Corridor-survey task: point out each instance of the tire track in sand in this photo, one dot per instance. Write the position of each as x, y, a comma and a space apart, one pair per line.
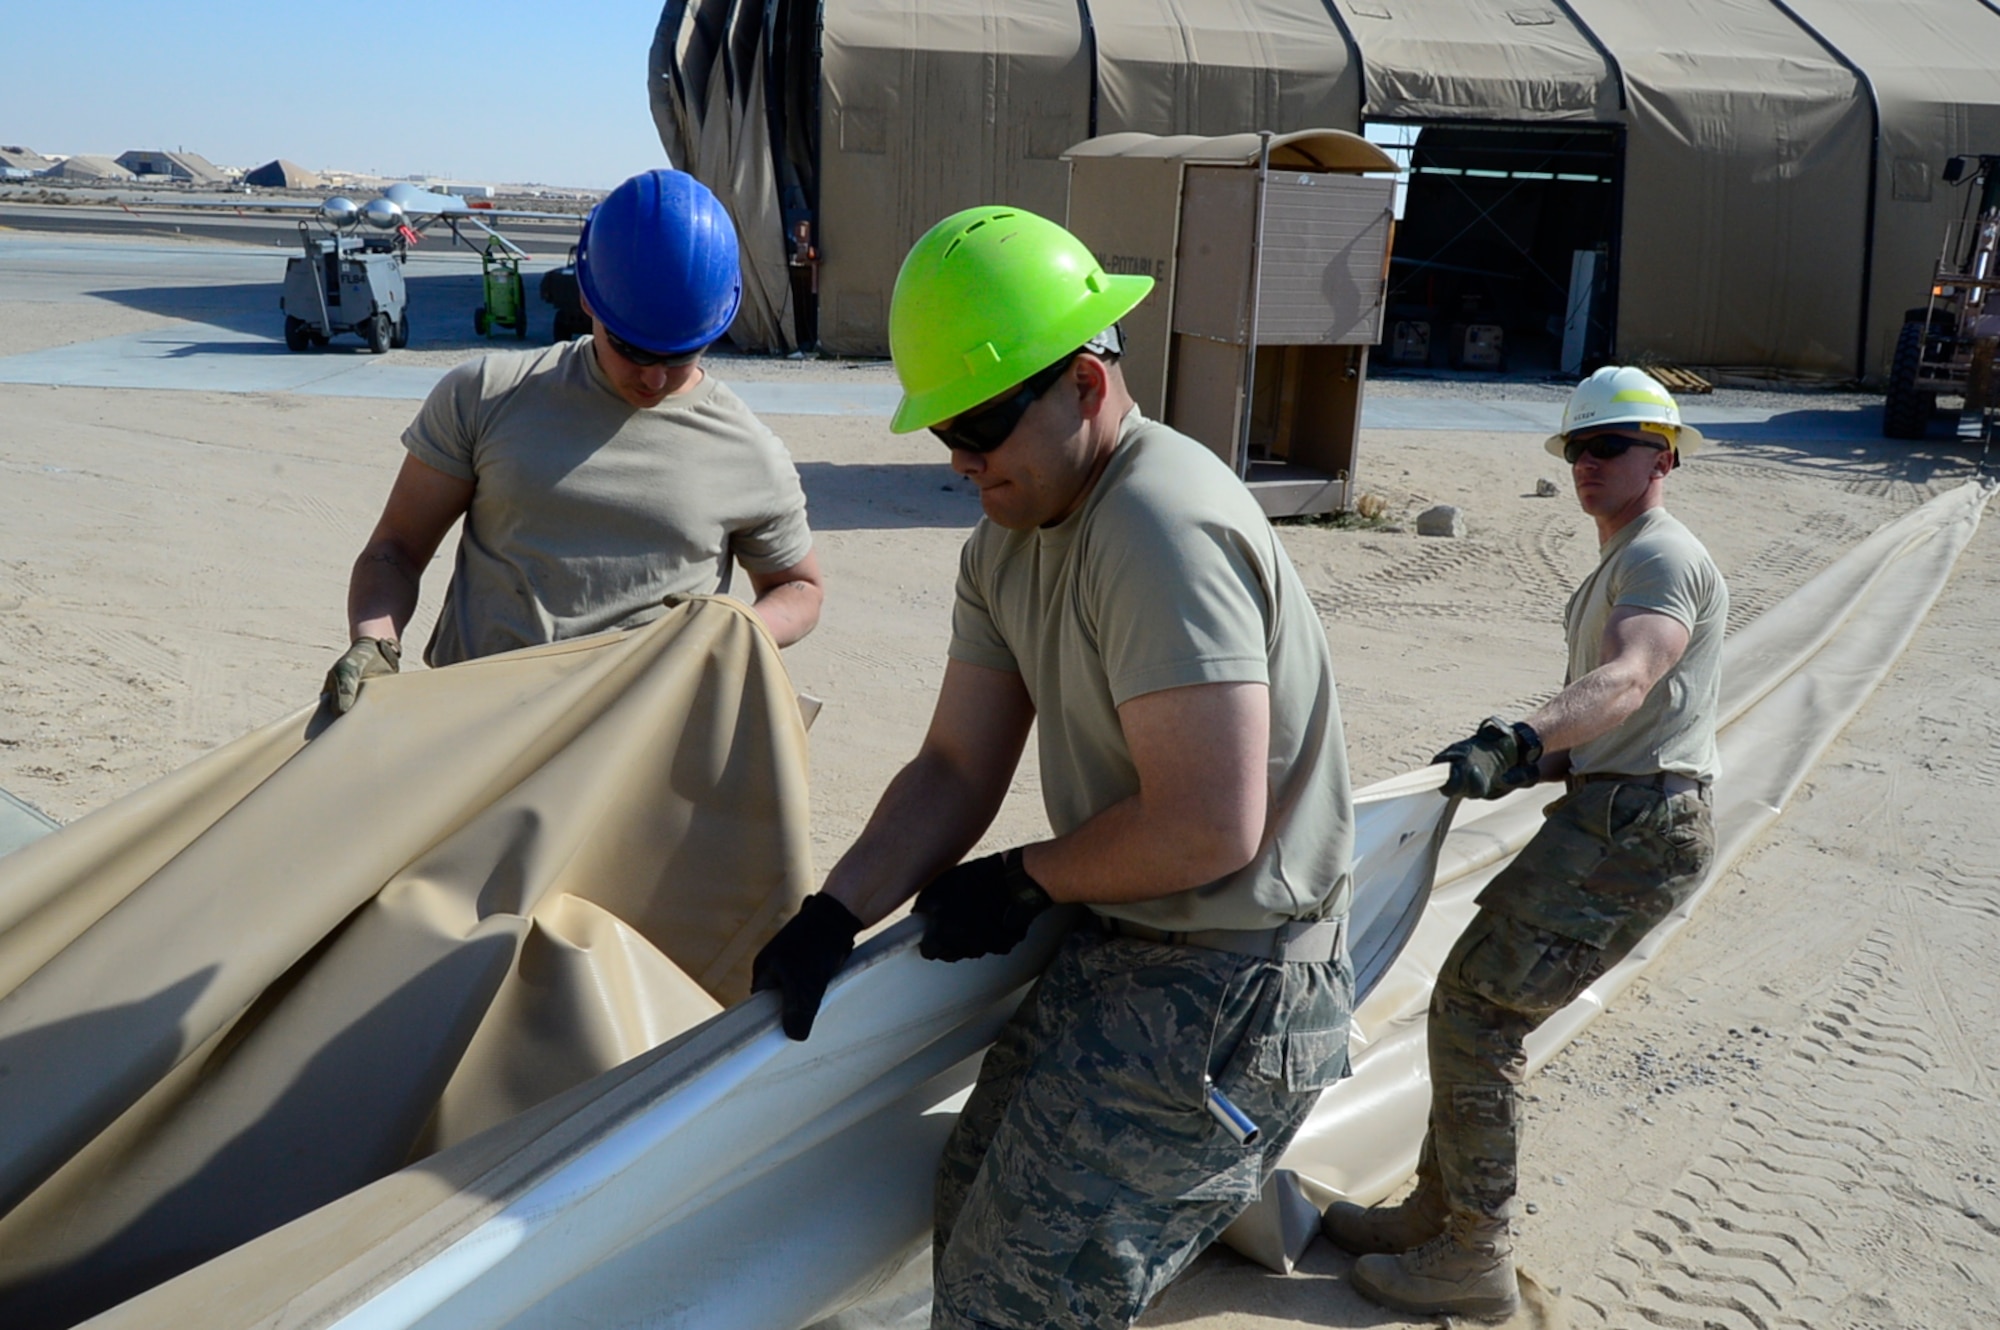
1821, 1191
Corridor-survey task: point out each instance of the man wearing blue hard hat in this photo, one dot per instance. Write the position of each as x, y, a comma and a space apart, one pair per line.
598, 477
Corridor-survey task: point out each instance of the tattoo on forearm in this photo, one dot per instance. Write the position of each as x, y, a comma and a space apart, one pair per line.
394, 562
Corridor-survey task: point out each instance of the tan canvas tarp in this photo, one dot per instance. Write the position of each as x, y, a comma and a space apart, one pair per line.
1934, 69
1471, 60
1746, 178
1188, 67
319, 953
927, 107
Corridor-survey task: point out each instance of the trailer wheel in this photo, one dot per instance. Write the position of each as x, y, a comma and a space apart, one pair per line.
380, 334
297, 336
1906, 412
400, 338
479, 320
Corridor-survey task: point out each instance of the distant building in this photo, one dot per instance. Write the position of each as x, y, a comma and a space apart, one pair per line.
187, 167
23, 159
281, 174
463, 190
88, 166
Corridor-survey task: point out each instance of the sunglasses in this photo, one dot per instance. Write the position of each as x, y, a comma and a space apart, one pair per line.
643, 358
983, 431
1604, 447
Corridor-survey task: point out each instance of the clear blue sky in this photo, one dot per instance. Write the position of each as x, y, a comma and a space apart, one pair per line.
497, 91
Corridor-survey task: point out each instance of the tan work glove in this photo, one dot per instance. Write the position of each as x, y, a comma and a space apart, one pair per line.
365, 659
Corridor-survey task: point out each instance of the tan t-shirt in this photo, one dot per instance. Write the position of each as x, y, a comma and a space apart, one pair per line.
1656, 564
1168, 575
588, 512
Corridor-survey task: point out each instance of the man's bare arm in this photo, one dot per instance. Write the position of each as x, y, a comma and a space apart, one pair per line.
1639, 647
939, 805
788, 599
1202, 807
382, 589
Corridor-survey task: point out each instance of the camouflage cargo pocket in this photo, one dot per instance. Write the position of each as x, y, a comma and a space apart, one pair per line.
1314, 1059
1305, 1049
1680, 836
1611, 860
1520, 967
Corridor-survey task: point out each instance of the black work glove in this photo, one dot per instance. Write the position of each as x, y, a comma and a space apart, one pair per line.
366, 658
804, 957
1498, 759
983, 907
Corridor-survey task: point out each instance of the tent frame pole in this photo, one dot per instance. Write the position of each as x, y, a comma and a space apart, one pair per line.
1256, 289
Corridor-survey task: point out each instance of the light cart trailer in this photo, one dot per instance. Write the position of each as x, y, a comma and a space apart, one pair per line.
346, 281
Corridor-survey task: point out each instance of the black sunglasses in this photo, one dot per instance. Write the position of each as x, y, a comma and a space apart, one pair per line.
983, 431
1604, 447
643, 358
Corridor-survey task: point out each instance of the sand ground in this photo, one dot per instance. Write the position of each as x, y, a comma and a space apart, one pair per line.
1793, 1121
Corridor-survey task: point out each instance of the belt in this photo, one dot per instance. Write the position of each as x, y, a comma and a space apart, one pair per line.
1301, 940
1666, 782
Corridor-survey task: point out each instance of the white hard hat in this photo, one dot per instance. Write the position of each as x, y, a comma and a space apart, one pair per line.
1625, 395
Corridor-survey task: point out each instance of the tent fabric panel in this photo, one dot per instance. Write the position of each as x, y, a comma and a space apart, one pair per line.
1222, 67
1931, 64
706, 75
1746, 171
931, 106
1467, 60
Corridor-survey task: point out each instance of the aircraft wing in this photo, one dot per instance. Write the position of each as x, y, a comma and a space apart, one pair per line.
472, 219
428, 203
418, 205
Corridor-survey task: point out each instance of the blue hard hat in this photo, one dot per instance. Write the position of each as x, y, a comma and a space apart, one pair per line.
657, 262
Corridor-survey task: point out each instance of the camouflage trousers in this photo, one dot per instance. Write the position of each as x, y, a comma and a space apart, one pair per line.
1612, 861
1085, 1171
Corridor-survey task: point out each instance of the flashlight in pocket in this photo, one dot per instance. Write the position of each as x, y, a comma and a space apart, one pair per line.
1232, 1118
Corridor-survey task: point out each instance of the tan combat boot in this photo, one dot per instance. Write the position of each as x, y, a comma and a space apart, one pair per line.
1411, 1222
1467, 1270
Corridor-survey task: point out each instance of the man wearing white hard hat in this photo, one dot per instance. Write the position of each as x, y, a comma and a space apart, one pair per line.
1632, 734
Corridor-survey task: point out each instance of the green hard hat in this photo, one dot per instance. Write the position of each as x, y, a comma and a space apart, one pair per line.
986, 298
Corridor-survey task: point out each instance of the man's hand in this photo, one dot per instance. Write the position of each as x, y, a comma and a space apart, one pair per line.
366, 658
982, 907
1498, 759
803, 958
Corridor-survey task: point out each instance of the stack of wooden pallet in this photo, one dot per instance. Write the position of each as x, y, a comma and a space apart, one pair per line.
1680, 380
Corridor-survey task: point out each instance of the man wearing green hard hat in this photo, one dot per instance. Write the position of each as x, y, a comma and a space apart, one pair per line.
1127, 600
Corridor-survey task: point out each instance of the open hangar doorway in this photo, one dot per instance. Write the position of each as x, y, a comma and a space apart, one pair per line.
1506, 250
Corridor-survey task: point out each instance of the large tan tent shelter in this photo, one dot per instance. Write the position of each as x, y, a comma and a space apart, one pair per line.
1758, 178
